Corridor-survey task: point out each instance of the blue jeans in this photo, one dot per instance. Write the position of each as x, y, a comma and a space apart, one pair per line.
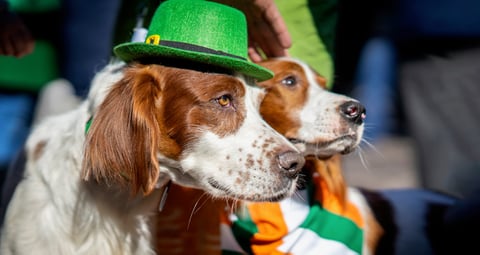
16, 111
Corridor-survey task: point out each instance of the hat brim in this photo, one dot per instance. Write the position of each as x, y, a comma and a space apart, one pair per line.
138, 50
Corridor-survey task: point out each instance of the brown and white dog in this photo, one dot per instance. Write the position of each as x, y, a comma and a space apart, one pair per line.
94, 176
322, 124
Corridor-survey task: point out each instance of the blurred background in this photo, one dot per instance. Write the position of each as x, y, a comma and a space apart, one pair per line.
415, 65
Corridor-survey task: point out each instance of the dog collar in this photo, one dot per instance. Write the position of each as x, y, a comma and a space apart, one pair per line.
163, 198
88, 124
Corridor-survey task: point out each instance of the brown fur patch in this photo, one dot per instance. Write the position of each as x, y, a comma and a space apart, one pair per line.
283, 98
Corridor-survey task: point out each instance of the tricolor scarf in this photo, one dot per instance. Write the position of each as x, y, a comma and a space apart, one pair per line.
313, 221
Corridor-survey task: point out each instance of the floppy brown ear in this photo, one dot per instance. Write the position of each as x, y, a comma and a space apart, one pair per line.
126, 132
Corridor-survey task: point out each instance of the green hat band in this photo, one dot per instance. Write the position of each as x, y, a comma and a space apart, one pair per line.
193, 47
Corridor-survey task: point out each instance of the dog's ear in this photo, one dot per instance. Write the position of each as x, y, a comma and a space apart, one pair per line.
127, 132
322, 81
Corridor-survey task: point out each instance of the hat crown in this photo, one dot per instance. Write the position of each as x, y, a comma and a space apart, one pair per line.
200, 23
199, 31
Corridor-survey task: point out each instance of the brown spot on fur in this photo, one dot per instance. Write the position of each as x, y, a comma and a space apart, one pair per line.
238, 181
38, 150
245, 176
250, 161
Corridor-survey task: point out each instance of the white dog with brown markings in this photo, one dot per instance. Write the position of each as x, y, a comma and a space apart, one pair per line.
95, 175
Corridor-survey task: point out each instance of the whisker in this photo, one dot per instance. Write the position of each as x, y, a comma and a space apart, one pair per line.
195, 209
363, 159
297, 195
371, 146
238, 208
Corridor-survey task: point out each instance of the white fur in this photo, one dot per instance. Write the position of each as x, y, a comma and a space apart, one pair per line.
356, 198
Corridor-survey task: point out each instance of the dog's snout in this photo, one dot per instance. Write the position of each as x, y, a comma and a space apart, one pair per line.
291, 163
353, 111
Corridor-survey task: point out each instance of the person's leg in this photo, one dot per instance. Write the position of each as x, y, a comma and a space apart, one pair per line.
16, 111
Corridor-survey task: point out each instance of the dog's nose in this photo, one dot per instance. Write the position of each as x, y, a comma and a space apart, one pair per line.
353, 111
291, 163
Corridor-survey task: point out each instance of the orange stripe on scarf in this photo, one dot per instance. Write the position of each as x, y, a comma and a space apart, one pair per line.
271, 227
335, 204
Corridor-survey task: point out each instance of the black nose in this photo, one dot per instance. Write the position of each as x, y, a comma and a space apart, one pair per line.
291, 163
353, 111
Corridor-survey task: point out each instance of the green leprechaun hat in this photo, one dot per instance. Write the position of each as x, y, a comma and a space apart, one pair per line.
200, 31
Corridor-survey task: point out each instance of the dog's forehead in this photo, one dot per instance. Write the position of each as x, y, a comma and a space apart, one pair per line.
312, 76
220, 83
205, 86
288, 67
282, 64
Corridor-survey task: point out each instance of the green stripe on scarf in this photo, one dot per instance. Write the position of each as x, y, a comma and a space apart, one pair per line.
334, 227
243, 230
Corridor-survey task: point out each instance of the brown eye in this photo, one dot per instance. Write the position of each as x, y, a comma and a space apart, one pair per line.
289, 81
225, 100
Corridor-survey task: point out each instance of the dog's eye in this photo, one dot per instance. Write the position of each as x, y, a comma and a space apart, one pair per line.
225, 100
289, 81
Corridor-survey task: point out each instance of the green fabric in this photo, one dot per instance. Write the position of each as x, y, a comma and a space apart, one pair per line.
244, 229
331, 226
217, 28
31, 72
88, 124
311, 24
31, 6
